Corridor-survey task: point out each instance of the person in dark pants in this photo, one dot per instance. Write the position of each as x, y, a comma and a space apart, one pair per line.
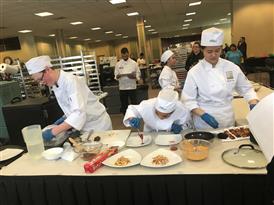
142, 66
242, 47
194, 56
127, 73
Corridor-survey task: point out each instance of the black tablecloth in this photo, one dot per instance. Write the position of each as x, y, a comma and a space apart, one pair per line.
143, 190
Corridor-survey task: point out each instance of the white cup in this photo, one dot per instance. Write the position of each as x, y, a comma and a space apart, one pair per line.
33, 138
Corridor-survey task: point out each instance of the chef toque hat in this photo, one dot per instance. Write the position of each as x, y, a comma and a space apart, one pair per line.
166, 55
212, 37
166, 101
38, 64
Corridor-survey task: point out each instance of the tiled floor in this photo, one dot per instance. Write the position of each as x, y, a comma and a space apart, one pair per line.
117, 119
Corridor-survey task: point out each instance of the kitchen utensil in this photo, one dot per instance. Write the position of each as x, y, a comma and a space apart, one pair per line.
195, 149
246, 156
140, 135
199, 135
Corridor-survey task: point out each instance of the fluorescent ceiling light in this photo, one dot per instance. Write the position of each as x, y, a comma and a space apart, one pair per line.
176, 36
76, 23
96, 28
185, 28
25, 31
148, 26
195, 3
125, 36
98, 41
151, 30
118, 34
155, 32
108, 32
193, 33
224, 19
187, 24
73, 37
187, 20
117, 1
52, 35
217, 23
133, 14
228, 14
43, 14
87, 39
190, 14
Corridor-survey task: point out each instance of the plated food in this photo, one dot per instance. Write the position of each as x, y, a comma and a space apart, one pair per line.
160, 160
168, 139
135, 141
236, 133
122, 161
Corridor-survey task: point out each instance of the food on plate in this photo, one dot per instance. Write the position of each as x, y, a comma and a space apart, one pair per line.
97, 139
122, 161
173, 148
238, 132
160, 160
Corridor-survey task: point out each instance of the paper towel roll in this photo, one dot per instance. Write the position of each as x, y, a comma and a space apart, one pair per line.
8, 69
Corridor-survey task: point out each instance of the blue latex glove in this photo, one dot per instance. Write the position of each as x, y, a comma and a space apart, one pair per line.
135, 122
210, 120
47, 135
251, 106
60, 120
175, 128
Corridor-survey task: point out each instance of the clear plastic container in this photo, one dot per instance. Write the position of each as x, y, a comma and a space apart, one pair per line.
195, 149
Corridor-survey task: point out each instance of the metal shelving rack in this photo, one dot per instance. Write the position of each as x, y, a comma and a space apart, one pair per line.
83, 66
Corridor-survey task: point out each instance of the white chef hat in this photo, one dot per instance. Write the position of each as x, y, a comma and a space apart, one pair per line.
166, 55
212, 37
38, 64
166, 101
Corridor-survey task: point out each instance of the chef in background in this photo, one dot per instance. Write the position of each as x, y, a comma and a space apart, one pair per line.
209, 86
81, 107
165, 112
168, 77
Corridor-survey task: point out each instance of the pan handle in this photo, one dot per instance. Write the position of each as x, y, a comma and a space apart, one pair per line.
246, 145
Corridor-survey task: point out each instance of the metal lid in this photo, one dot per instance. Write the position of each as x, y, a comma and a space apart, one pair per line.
245, 157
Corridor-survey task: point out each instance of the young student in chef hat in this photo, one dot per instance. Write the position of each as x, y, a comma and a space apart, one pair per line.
168, 77
209, 86
82, 110
165, 112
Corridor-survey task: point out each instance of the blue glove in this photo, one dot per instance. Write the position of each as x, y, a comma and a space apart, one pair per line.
47, 135
175, 128
210, 120
251, 106
60, 120
135, 122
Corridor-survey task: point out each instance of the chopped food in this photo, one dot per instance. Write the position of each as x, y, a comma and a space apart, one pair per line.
122, 161
238, 132
160, 160
195, 152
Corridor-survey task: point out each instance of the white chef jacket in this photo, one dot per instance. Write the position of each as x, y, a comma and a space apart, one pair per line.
81, 107
146, 111
141, 63
127, 67
168, 78
211, 89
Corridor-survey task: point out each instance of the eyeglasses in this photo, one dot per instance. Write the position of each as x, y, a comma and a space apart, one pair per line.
41, 78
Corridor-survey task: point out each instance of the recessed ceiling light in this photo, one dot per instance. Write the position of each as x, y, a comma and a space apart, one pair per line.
118, 34
187, 20
52, 35
133, 14
151, 30
224, 19
73, 37
108, 32
96, 28
190, 14
155, 32
25, 31
195, 3
187, 24
76, 23
228, 14
145, 21
97, 41
117, 1
87, 39
43, 14
148, 26
125, 36
185, 28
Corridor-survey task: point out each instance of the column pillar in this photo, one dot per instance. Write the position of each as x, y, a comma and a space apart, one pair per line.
60, 43
141, 37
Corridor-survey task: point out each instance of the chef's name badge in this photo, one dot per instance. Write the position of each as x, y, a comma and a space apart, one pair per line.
229, 76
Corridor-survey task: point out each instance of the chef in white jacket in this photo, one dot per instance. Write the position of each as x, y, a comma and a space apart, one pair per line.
209, 86
168, 77
164, 113
82, 110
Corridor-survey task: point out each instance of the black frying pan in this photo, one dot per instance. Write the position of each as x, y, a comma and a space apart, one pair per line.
199, 135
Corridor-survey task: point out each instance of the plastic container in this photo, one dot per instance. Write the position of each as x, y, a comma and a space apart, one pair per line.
33, 138
195, 149
88, 150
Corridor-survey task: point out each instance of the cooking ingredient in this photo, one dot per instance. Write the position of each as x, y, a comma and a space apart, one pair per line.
122, 161
173, 148
195, 152
160, 160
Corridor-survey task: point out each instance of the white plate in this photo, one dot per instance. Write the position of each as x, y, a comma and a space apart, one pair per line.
9, 153
168, 139
134, 157
229, 139
172, 157
53, 153
135, 141
120, 144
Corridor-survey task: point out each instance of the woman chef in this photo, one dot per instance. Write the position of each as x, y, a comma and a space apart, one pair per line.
162, 113
82, 109
168, 77
210, 83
